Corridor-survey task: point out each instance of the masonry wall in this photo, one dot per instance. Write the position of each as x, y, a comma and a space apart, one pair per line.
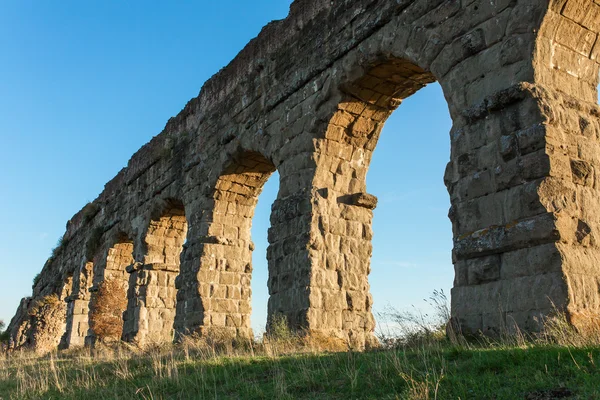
308, 98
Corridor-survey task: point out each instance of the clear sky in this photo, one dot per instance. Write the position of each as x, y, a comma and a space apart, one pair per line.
84, 84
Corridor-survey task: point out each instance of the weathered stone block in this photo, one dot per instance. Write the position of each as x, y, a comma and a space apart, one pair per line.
483, 270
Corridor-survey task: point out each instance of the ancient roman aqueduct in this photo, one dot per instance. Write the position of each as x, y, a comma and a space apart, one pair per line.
308, 97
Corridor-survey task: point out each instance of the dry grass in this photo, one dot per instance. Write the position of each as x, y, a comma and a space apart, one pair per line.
109, 303
286, 365
41, 307
575, 330
201, 368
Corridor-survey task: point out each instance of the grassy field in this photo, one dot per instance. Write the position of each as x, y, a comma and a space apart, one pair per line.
431, 370
418, 362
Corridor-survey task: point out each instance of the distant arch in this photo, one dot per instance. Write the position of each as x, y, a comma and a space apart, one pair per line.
109, 291
152, 290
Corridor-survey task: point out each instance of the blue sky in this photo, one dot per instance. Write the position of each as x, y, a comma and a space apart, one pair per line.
86, 83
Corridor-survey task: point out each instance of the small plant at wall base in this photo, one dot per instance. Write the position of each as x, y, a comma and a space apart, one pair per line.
108, 305
413, 327
278, 328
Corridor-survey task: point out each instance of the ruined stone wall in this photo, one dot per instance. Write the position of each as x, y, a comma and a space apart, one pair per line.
308, 98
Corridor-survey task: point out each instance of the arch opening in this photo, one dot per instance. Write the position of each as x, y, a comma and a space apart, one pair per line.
367, 104
412, 240
152, 291
260, 271
343, 299
109, 293
227, 269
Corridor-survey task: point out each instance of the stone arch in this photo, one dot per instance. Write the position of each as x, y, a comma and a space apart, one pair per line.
118, 257
352, 132
340, 296
165, 233
486, 77
226, 262
111, 264
152, 294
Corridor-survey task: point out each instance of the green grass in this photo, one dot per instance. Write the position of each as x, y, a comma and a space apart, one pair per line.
434, 371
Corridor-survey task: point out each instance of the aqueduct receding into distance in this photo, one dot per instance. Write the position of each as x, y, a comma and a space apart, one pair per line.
308, 98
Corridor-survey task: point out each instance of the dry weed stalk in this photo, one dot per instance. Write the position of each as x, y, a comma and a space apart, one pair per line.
106, 317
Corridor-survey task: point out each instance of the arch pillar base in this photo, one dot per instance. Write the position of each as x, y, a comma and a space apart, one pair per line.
151, 307
77, 322
319, 261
